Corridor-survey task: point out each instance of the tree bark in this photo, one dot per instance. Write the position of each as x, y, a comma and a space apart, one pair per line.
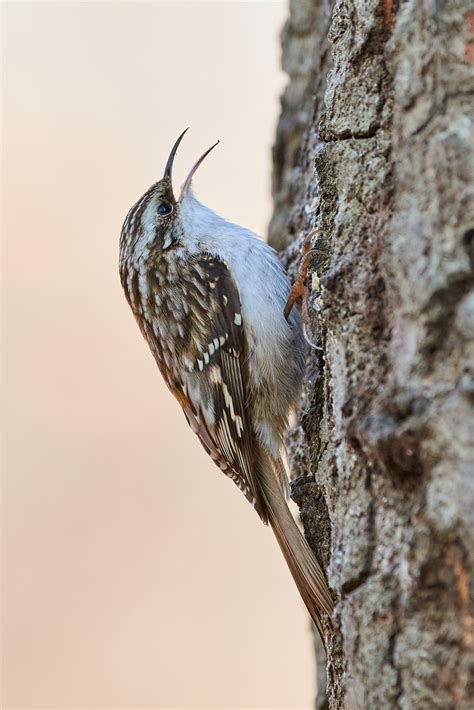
374, 151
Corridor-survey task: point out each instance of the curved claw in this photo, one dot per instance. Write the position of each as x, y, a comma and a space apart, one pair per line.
299, 287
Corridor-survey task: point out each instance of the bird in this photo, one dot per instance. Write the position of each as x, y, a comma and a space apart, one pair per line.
209, 298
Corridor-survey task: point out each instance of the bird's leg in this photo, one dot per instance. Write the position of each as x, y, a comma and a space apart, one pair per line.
299, 289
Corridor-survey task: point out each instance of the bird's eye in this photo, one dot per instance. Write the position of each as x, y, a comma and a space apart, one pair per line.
164, 208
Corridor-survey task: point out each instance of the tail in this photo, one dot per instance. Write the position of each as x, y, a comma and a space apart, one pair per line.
306, 572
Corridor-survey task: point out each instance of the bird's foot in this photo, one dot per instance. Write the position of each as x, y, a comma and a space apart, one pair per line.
299, 289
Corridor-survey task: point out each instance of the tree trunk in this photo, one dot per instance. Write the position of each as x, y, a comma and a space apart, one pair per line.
374, 151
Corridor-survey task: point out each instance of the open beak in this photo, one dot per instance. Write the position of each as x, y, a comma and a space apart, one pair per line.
169, 163
198, 162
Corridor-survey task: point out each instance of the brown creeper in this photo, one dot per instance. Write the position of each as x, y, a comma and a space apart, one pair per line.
208, 297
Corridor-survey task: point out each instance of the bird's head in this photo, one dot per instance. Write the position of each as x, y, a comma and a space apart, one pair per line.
154, 220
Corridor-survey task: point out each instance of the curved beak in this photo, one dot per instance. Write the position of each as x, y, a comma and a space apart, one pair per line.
169, 163
198, 162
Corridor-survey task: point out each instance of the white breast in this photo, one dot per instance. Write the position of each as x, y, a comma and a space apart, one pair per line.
260, 278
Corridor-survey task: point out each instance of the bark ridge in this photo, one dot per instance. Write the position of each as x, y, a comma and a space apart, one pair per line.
374, 149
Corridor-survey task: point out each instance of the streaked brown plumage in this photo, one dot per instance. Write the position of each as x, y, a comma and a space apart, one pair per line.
208, 297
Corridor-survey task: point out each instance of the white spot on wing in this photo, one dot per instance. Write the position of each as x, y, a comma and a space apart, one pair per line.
239, 424
215, 374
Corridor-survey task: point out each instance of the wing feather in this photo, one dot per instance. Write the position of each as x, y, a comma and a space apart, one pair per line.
218, 398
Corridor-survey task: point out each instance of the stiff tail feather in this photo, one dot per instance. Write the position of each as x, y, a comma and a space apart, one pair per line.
306, 572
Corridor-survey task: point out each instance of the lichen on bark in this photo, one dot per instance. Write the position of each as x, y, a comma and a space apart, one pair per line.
374, 150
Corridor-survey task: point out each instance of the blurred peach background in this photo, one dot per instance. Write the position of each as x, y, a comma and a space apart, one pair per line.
134, 573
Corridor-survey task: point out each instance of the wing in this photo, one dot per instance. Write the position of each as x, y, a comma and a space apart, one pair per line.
214, 382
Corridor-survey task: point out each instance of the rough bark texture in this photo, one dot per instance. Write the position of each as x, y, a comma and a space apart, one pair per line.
374, 149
